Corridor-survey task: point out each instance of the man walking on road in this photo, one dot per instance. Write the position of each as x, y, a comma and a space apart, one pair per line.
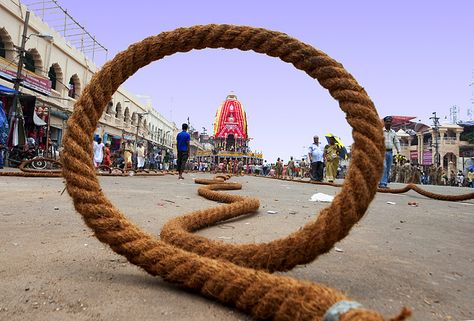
183, 140
98, 148
315, 154
391, 141
140, 156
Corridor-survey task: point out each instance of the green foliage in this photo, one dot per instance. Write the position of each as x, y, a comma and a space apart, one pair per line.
469, 137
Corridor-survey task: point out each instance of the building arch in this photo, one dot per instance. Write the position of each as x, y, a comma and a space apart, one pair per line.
126, 114
74, 86
55, 74
449, 157
118, 110
134, 118
144, 124
110, 108
33, 62
7, 48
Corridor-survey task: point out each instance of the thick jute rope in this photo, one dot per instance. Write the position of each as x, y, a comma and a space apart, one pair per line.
263, 295
278, 255
406, 188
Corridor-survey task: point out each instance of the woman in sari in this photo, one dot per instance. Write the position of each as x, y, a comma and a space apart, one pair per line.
127, 155
107, 161
331, 156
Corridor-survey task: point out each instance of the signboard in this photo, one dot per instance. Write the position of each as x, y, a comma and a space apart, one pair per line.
128, 137
413, 154
427, 158
29, 79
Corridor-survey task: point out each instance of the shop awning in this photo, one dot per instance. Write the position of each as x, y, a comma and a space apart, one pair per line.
7, 90
60, 114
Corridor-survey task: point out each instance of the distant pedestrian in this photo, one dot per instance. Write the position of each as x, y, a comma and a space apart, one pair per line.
315, 155
331, 156
140, 156
240, 167
302, 168
460, 178
291, 168
391, 141
3, 132
183, 139
278, 168
127, 155
470, 178
107, 160
98, 148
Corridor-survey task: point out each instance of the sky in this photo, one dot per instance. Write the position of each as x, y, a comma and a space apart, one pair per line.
412, 57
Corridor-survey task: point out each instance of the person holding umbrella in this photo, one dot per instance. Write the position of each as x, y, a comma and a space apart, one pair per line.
470, 176
331, 156
391, 141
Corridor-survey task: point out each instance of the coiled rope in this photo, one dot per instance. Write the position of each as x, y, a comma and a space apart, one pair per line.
263, 295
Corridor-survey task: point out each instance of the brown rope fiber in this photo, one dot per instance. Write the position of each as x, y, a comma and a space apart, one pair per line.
406, 188
263, 295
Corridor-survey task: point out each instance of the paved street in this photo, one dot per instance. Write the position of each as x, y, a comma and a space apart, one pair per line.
52, 268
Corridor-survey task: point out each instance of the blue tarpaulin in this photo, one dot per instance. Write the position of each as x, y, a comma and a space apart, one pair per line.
7, 90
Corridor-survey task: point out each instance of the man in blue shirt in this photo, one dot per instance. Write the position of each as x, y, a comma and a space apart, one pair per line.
183, 140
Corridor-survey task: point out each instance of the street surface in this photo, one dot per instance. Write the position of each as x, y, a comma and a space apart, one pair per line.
53, 268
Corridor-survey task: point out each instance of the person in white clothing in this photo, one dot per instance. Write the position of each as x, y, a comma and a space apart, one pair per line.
98, 149
315, 156
140, 156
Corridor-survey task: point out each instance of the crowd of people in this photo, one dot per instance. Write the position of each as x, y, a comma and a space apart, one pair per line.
130, 157
321, 164
401, 171
404, 172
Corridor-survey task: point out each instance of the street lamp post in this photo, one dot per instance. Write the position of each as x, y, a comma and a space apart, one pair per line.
436, 129
167, 139
16, 112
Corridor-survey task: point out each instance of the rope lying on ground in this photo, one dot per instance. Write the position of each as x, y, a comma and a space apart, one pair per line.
408, 187
300, 247
56, 170
263, 295
419, 190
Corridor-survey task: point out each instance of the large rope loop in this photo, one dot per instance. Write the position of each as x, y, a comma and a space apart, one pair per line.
263, 295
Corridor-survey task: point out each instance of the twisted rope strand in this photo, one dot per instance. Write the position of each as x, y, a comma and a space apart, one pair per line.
261, 294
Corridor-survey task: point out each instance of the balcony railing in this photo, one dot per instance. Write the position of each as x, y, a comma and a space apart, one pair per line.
450, 140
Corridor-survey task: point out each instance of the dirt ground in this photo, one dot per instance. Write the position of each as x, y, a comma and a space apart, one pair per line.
52, 267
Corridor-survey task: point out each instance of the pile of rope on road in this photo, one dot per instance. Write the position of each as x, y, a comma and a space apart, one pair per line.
406, 188
255, 291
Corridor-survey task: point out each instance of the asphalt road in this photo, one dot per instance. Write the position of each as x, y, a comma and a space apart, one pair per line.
53, 268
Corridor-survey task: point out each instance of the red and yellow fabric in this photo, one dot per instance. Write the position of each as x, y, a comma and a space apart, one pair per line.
230, 119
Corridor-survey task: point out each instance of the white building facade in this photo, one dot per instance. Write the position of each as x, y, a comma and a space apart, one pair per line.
54, 75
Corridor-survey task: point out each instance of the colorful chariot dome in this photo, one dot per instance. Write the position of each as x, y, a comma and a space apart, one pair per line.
231, 119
